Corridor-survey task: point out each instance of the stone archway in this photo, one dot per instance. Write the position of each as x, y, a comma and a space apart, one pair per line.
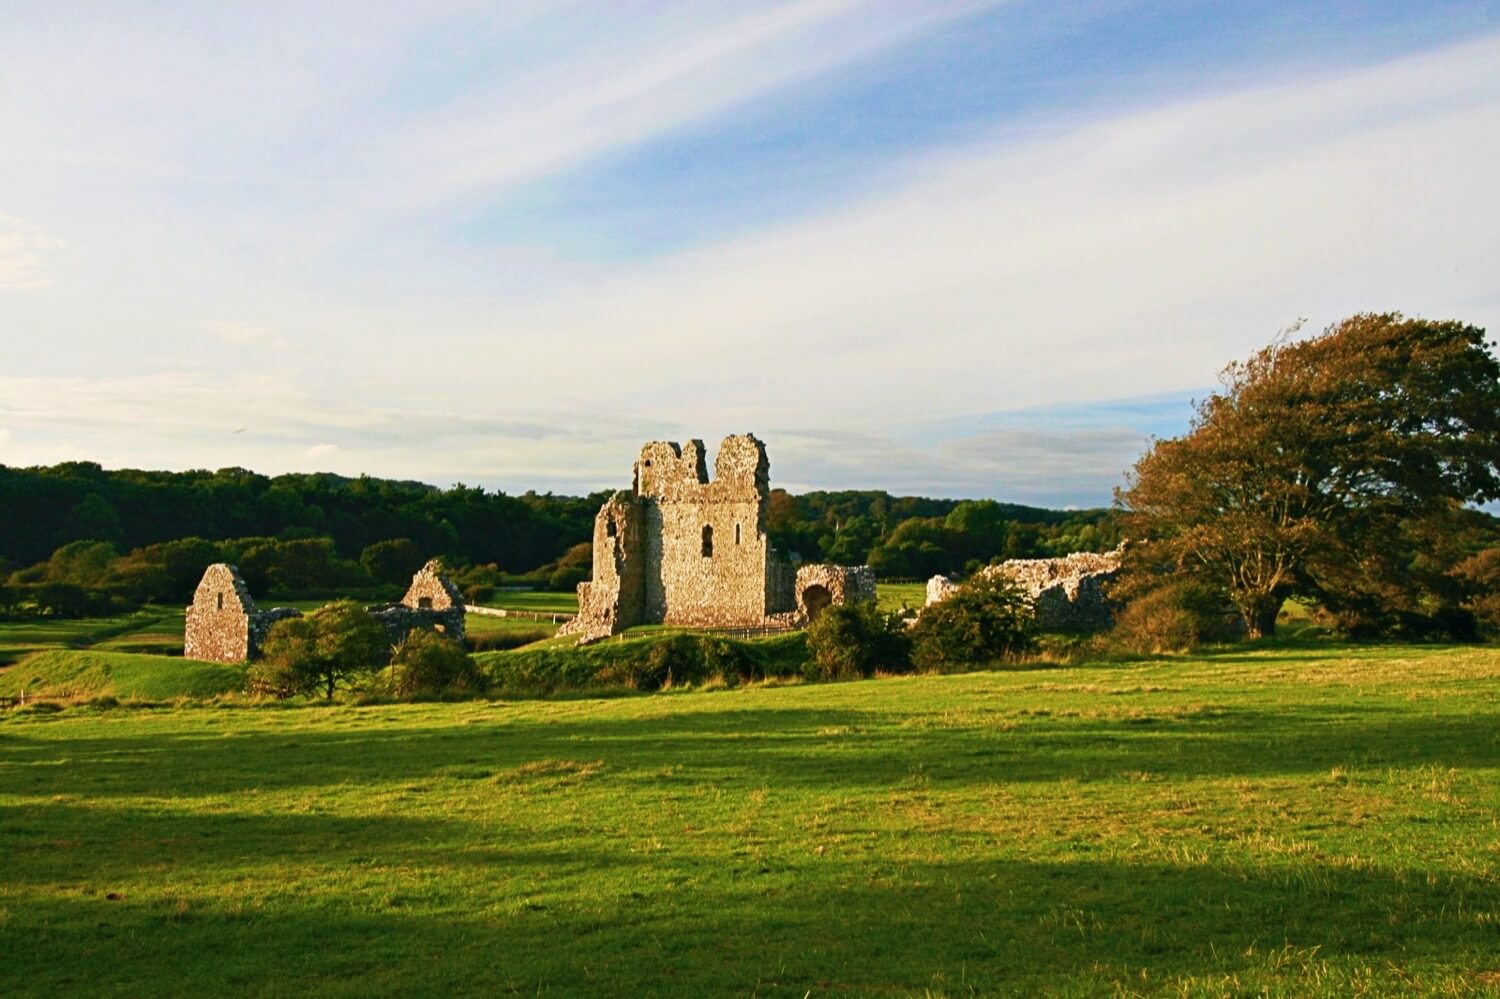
814, 599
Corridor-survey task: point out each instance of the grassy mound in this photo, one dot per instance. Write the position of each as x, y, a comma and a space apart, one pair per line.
644, 662
72, 673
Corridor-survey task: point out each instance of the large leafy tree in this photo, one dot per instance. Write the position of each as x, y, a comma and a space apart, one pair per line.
1323, 463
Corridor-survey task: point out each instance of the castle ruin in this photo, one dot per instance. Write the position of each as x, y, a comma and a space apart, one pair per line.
681, 548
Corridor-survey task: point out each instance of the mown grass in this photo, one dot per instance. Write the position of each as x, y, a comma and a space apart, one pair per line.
1276, 821
160, 627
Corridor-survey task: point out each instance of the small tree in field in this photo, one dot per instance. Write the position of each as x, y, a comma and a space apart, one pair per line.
1320, 465
986, 619
317, 653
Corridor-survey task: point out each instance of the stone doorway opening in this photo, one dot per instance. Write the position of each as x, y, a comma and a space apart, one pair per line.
815, 598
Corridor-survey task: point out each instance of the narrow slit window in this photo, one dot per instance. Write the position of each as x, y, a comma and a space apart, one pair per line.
736, 533
708, 541
221, 601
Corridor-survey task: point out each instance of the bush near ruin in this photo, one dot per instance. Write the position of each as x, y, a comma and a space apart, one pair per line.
320, 652
426, 663
985, 621
1178, 616
856, 640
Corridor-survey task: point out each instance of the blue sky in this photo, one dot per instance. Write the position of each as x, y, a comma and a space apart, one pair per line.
958, 248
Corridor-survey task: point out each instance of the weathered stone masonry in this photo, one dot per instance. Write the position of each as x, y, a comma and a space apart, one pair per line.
1068, 594
223, 624
681, 548
432, 602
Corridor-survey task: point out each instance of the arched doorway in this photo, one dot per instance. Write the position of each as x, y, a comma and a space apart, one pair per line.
814, 599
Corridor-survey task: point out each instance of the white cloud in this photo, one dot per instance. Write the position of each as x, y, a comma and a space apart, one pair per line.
637, 85
1126, 257
247, 335
23, 255
1115, 257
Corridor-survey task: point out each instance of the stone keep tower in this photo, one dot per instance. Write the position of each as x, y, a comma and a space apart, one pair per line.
681, 548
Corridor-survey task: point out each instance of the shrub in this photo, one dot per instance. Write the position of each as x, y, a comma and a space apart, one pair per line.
854, 640
986, 619
333, 644
565, 579
427, 663
1175, 617
678, 659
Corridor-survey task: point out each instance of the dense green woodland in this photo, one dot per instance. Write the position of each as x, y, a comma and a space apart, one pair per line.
79, 537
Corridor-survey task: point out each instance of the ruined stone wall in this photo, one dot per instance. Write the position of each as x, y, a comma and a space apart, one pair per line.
820, 586
613, 600
218, 619
223, 624
707, 554
1068, 594
400, 620
432, 590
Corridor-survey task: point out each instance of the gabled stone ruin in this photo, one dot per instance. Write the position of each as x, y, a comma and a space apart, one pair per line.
223, 624
1068, 594
431, 602
682, 548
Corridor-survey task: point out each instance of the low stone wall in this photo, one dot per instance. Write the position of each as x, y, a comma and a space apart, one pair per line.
1068, 594
400, 620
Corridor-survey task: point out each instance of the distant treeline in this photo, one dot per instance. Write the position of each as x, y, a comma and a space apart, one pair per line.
75, 538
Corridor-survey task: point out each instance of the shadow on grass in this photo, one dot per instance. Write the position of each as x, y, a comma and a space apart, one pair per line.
827, 924
829, 748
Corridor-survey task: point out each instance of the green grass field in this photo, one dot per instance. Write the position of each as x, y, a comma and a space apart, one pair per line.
895, 596
1317, 821
541, 601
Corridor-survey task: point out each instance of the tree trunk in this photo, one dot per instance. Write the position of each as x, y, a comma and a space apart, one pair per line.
1260, 611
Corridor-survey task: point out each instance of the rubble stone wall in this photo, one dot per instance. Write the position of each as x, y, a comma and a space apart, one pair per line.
1068, 594
820, 586
432, 590
400, 620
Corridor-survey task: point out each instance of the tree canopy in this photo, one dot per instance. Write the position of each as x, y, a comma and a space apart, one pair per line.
1329, 466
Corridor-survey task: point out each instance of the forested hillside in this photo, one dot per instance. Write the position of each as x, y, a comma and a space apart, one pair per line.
78, 536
